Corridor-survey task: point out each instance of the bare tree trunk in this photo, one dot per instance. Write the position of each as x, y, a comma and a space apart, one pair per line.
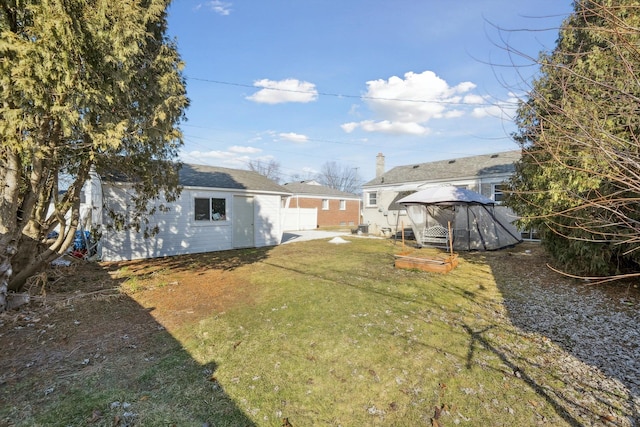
9, 188
34, 259
5, 274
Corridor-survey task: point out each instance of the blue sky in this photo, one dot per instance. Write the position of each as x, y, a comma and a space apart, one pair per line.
306, 82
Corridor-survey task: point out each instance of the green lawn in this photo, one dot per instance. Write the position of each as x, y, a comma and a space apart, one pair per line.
337, 336
333, 335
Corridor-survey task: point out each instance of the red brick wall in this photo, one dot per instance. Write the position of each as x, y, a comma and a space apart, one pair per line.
332, 216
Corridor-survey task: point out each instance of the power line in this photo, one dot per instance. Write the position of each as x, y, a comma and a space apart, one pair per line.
367, 145
339, 95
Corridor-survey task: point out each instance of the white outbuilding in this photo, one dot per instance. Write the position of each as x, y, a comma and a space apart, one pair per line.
218, 209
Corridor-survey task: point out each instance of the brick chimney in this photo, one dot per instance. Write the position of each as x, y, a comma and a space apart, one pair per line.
379, 165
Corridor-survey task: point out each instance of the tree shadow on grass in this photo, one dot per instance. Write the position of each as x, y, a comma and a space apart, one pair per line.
587, 333
86, 354
460, 282
477, 337
195, 263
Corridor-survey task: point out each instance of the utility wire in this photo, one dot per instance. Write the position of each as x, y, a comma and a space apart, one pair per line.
338, 95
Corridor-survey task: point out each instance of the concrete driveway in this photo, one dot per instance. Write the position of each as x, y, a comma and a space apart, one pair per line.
301, 236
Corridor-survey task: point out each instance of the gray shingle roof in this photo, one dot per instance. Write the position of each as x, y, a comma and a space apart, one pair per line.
303, 188
474, 166
218, 177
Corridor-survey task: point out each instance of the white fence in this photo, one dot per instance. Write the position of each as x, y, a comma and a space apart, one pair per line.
296, 219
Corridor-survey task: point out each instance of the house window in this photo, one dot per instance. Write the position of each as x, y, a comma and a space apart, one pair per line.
325, 204
372, 199
210, 209
497, 192
530, 234
343, 205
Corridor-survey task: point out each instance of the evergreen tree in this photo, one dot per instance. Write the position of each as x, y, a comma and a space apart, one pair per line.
84, 83
578, 181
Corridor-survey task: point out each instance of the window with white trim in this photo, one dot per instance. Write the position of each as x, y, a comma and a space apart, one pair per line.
498, 195
325, 204
210, 209
372, 199
343, 205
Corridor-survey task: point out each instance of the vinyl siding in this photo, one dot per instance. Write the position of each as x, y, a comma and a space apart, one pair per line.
268, 224
179, 232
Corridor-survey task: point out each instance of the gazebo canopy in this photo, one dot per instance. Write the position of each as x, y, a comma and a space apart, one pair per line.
445, 194
470, 220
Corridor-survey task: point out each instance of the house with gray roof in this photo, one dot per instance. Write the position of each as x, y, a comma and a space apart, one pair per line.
218, 209
313, 205
484, 174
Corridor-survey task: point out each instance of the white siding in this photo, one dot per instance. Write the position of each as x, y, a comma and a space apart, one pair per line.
379, 217
268, 224
179, 232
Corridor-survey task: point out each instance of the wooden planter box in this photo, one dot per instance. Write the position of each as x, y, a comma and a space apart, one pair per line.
434, 265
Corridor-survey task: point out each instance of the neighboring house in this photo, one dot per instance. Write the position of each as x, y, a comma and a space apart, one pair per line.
218, 209
333, 207
484, 174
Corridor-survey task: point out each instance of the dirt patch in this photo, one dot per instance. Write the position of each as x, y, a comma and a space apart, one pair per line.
89, 318
85, 310
88, 305
188, 296
184, 288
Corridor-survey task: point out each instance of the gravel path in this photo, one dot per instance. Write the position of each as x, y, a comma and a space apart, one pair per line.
588, 324
593, 338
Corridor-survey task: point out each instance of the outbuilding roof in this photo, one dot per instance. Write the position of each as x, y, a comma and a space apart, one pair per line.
312, 188
460, 168
191, 175
219, 177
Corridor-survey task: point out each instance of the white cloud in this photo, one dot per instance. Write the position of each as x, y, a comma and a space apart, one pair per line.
418, 98
504, 110
218, 6
405, 105
489, 111
245, 150
294, 137
453, 114
198, 157
288, 90
235, 156
465, 87
473, 99
386, 126
349, 127
260, 136
355, 110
